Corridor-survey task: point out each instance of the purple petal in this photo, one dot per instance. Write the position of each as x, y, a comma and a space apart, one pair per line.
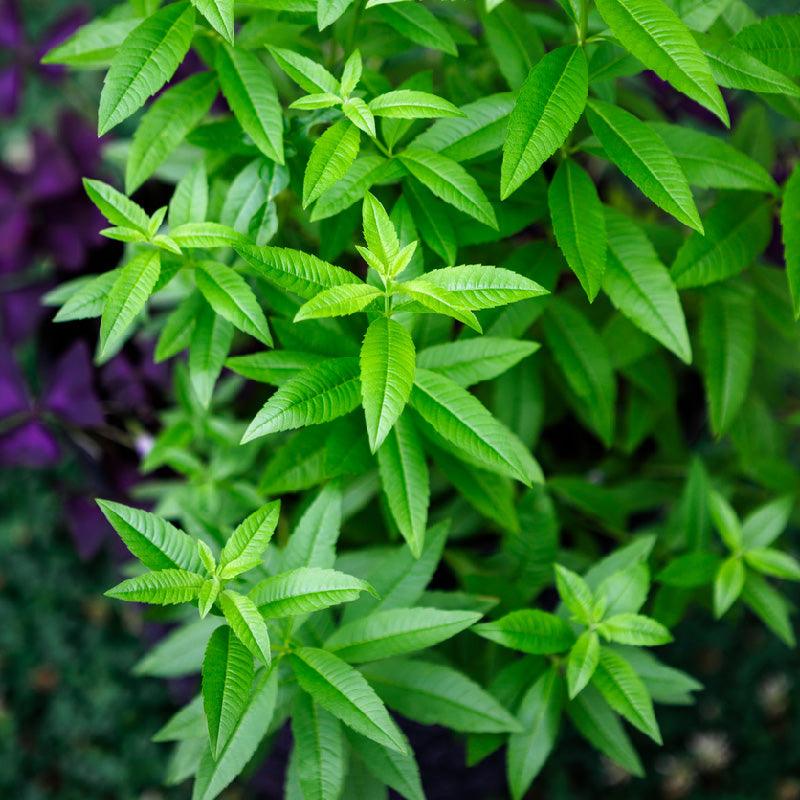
21, 311
53, 175
71, 395
80, 139
14, 228
11, 35
29, 445
10, 89
13, 393
87, 526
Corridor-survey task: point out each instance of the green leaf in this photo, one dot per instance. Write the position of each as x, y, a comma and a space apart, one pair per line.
772, 562
163, 588
304, 72
328, 11
412, 104
643, 157
575, 594
208, 595
351, 72
398, 771
436, 694
726, 521
247, 623
387, 376
156, 543
769, 605
766, 523
92, 46
460, 418
600, 726
305, 590
209, 346
470, 361
728, 584
579, 224
728, 337
634, 629
624, 691
513, 40
640, 286
774, 40
214, 774
206, 235
690, 571
582, 662
625, 592
438, 300
293, 270
405, 481
712, 163
227, 682
790, 228
231, 297
219, 14
735, 68
246, 545
416, 23
273, 366
529, 631
652, 32
339, 301
319, 394
177, 331
478, 287
449, 181
332, 155
342, 691
539, 714
548, 105
115, 207
248, 88
396, 631
319, 747
379, 231
314, 539
583, 359
737, 231
165, 124
144, 62
89, 298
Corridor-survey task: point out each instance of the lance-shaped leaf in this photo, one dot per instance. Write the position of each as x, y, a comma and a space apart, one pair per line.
477, 286
230, 296
435, 694
575, 594
387, 375
165, 124
737, 231
772, 562
412, 104
769, 605
319, 394
215, 773
248, 88
305, 590
775, 40
461, 419
165, 587
405, 481
219, 14
115, 207
584, 361
582, 662
470, 361
439, 300
398, 771
247, 623
206, 235
728, 337
274, 366
338, 301
293, 270
189, 201
539, 715
92, 46
319, 748
88, 299
624, 691
397, 631
790, 227
379, 231
449, 181
145, 61
634, 629
548, 105
765, 524
652, 32
416, 23
728, 584
208, 348
314, 539
640, 286
344, 692
304, 72
579, 224
227, 682
126, 300
247, 543
642, 155
154, 541
332, 155
529, 631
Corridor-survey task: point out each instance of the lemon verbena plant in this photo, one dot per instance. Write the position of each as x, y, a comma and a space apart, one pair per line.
482, 317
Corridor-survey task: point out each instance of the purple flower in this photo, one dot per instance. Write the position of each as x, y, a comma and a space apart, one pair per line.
26, 438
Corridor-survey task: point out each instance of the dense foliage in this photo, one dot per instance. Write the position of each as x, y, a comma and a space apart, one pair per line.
412, 197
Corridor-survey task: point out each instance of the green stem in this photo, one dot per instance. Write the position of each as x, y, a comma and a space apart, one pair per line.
583, 22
